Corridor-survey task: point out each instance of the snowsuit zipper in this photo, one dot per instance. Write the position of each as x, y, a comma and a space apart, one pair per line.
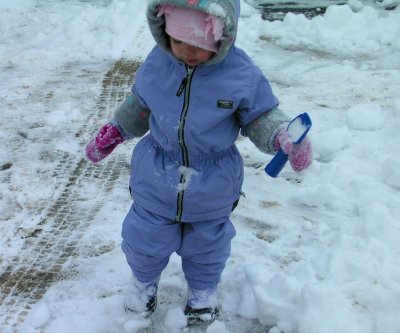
185, 86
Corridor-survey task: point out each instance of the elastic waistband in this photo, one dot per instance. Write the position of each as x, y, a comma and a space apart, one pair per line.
193, 158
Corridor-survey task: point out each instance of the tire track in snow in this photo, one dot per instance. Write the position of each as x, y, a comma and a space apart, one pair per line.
64, 220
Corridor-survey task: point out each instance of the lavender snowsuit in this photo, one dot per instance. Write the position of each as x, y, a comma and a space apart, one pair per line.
187, 171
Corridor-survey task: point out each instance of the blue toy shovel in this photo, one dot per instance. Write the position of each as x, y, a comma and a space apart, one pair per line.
297, 130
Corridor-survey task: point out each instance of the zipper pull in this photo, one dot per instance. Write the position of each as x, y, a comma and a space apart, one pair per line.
182, 86
185, 80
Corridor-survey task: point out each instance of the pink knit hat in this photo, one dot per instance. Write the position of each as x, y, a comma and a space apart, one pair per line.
192, 26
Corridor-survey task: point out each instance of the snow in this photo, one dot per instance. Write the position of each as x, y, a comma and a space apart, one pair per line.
187, 174
314, 252
175, 319
365, 117
297, 128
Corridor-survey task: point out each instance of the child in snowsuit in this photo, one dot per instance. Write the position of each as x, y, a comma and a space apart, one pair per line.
193, 94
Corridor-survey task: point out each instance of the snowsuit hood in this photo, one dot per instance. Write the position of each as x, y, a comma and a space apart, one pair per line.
227, 10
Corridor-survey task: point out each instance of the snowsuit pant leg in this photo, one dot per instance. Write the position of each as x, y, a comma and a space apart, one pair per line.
205, 248
148, 242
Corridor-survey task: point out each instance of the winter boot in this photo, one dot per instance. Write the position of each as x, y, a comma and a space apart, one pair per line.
141, 297
201, 306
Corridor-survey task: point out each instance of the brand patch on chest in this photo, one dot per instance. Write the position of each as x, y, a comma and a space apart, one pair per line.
225, 104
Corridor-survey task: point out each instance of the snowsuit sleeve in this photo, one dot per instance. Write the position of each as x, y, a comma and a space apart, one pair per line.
259, 117
132, 117
263, 130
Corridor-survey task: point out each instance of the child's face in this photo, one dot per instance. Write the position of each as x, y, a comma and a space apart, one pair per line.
190, 54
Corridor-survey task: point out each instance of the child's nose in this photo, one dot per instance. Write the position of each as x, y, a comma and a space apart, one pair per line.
190, 49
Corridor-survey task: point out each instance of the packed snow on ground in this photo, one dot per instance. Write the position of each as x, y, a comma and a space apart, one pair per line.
315, 252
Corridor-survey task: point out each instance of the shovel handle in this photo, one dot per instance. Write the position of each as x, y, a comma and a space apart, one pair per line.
275, 166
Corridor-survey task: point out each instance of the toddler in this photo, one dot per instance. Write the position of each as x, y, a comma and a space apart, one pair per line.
192, 96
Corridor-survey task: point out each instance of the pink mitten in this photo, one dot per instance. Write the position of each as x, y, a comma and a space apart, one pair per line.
104, 143
300, 155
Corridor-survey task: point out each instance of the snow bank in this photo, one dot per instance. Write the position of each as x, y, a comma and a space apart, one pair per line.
340, 31
68, 31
